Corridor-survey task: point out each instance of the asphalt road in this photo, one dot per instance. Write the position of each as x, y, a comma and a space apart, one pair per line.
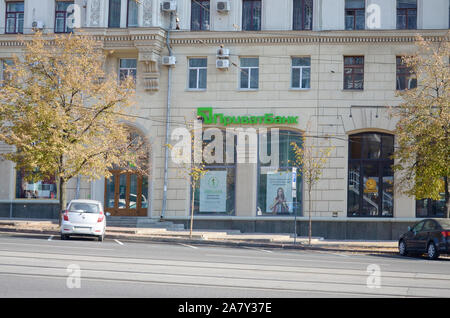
43, 266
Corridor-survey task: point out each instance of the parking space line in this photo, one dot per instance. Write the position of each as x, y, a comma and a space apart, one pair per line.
118, 242
194, 247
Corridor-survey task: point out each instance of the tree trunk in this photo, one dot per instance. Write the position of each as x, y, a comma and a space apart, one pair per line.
62, 198
192, 211
447, 196
310, 222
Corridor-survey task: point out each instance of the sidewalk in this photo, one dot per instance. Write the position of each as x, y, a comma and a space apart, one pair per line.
230, 238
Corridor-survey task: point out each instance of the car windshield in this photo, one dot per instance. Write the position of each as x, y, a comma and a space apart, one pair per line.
84, 207
444, 223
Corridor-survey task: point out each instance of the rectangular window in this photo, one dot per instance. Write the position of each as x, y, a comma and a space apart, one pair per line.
251, 15
303, 14
355, 16
127, 67
354, 72
301, 72
197, 73
114, 14
132, 15
44, 189
14, 17
4, 75
406, 14
61, 13
249, 73
406, 79
199, 15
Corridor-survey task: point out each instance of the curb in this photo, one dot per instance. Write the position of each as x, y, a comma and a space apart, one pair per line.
222, 242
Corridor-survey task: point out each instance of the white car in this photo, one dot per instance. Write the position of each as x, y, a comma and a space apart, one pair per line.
84, 218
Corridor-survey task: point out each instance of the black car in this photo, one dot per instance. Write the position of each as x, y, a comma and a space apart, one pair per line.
429, 236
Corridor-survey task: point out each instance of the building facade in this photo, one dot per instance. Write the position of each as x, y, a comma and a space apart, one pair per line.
329, 69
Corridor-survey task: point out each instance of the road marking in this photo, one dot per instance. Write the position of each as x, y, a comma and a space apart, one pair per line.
118, 242
194, 247
259, 249
50, 238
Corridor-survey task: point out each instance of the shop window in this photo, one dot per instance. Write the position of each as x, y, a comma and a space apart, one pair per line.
249, 73
275, 185
301, 72
215, 193
14, 17
303, 14
354, 72
114, 13
197, 73
199, 15
61, 15
370, 175
127, 67
406, 79
251, 15
132, 15
406, 14
40, 189
355, 15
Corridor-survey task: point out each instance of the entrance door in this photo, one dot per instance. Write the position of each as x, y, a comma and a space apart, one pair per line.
126, 194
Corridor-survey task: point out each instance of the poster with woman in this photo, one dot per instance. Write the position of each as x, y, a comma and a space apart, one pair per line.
279, 193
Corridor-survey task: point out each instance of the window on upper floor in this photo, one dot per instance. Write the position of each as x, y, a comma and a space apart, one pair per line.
406, 14
301, 73
251, 15
132, 15
197, 73
61, 14
355, 16
14, 17
354, 72
127, 67
406, 79
303, 14
249, 73
199, 15
114, 14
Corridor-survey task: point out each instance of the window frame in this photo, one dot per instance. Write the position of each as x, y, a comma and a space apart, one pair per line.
405, 11
197, 69
128, 69
65, 28
253, 2
404, 72
110, 16
354, 14
16, 13
128, 15
301, 68
302, 6
203, 11
249, 72
354, 67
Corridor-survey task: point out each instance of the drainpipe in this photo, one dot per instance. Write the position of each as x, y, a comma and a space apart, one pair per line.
77, 195
169, 93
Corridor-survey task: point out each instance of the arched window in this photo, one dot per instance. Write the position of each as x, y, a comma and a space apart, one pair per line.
370, 175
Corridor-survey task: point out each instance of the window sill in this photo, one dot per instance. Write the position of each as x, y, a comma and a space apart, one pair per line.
195, 90
248, 89
299, 89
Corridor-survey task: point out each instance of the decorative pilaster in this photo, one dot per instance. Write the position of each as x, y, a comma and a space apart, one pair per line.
150, 77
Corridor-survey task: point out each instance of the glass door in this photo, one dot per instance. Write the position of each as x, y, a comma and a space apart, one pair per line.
126, 194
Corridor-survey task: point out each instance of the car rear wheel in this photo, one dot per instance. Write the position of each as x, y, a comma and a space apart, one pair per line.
64, 237
432, 251
402, 248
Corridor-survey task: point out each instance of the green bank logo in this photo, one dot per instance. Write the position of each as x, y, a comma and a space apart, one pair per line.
210, 118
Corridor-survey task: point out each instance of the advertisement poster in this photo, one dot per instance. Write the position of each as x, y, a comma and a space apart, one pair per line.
279, 192
213, 192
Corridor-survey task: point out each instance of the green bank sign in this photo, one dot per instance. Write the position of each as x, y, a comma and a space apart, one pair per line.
269, 119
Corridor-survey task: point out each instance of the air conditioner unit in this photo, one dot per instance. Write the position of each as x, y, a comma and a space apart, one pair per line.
169, 60
169, 6
39, 25
223, 53
223, 6
222, 64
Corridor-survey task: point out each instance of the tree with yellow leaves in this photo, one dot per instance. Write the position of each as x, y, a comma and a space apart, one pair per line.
423, 130
63, 114
310, 160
